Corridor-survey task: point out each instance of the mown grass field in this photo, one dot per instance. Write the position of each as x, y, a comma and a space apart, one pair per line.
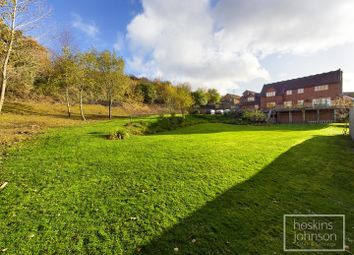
206, 189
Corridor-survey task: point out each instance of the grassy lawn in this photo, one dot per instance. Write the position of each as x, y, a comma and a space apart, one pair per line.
205, 189
23, 121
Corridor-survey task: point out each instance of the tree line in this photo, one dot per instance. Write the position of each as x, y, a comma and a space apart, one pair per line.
31, 71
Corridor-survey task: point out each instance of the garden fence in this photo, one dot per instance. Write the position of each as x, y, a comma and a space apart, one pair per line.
351, 122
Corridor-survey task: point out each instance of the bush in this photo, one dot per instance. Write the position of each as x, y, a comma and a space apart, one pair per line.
120, 134
136, 128
254, 116
166, 124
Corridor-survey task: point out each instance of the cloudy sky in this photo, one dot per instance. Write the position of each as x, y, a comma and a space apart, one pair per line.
232, 45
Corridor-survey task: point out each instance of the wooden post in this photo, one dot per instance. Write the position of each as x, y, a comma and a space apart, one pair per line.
290, 117
318, 115
303, 115
334, 115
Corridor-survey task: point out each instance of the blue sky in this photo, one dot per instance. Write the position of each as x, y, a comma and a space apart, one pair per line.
232, 45
109, 17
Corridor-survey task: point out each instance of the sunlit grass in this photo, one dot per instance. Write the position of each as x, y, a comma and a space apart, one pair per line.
73, 191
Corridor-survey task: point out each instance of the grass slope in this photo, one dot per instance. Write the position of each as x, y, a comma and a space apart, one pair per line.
205, 189
23, 121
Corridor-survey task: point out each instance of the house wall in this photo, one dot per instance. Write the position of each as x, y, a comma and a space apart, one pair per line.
310, 116
327, 115
297, 117
351, 122
249, 105
282, 117
334, 90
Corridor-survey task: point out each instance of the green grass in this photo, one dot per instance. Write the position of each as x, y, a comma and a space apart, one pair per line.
205, 189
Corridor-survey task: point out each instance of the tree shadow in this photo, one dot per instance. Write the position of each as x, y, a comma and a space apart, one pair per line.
313, 177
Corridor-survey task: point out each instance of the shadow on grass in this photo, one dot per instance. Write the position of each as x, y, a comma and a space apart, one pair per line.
313, 177
99, 134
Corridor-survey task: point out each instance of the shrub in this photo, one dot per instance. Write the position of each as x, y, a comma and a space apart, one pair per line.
136, 128
119, 134
254, 116
165, 124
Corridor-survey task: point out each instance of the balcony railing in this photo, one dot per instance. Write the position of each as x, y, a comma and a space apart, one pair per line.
302, 106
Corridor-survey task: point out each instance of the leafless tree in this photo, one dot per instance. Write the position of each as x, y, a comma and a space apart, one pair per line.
17, 15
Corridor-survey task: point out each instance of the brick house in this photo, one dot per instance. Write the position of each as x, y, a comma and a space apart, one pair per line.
230, 101
307, 99
250, 100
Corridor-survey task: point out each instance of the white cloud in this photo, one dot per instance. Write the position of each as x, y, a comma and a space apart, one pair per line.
87, 27
221, 45
348, 81
119, 44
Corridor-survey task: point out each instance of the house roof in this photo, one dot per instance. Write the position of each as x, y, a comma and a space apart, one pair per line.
249, 92
304, 82
231, 96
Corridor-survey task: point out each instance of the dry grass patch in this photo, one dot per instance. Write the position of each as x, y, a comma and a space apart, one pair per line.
22, 120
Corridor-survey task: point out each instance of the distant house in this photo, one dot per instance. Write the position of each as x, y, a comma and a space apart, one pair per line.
230, 101
307, 99
348, 96
250, 100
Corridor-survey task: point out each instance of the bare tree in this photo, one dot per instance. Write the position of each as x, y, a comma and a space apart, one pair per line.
17, 15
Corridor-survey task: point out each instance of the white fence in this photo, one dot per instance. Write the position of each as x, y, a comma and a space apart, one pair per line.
351, 122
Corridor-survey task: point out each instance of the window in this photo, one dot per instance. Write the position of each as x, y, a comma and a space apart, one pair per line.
271, 105
321, 88
250, 99
287, 103
289, 92
300, 91
322, 101
300, 102
270, 94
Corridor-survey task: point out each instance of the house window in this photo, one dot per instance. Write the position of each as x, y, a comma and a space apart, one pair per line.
288, 103
271, 104
270, 94
321, 88
289, 92
300, 102
322, 101
300, 91
250, 99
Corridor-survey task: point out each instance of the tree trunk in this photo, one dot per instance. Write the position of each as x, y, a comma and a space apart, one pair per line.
81, 106
182, 112
68, 102
7, 57
110, 108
